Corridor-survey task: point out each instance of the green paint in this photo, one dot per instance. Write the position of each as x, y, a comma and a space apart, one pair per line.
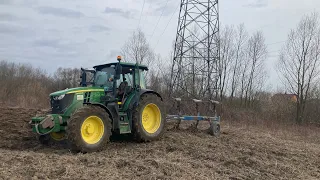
66, 91
128, 101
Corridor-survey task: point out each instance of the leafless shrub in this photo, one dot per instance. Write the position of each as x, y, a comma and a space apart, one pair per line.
25, 86
299, 61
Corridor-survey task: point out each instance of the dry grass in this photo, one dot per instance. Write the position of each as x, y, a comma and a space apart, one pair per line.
285, 130
242, 152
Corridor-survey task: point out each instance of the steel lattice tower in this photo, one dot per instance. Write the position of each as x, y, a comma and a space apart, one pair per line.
196, 50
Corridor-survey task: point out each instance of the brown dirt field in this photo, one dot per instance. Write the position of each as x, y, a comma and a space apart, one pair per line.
239, 153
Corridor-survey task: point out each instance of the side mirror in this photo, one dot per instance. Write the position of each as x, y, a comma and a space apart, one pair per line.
83, 79
118, 71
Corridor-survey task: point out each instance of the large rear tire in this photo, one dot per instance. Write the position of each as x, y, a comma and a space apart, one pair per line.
148, 118
89, 129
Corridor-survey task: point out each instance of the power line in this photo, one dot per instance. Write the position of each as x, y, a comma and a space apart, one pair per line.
145, 19
144, 1
274, 51
166, 25
273, 56
275, 43
161, 70
159, 19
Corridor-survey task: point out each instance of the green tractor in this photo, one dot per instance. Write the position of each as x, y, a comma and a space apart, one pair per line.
114, 101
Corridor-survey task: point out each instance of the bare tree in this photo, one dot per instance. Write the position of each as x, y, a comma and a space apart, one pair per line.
137, 49
67, 78
25, 85
226, 56
240, 41
244, 65
256, 54
299, 61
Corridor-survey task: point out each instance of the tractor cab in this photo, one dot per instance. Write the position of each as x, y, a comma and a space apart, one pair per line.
119, 80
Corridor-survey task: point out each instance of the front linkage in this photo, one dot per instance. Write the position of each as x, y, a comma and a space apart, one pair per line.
52, 126
46, 125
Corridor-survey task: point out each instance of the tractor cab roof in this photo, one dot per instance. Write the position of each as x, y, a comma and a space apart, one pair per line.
125, 65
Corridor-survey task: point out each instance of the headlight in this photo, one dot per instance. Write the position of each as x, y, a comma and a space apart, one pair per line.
59, 97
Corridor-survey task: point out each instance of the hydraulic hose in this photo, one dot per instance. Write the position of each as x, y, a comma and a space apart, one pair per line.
37, 130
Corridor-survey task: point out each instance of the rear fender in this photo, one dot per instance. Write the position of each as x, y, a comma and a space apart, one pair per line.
149, 91
135, 100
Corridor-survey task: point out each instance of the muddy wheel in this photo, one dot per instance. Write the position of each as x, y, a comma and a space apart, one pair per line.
89, 129
58, 136
148, 118
214, 129
52, 137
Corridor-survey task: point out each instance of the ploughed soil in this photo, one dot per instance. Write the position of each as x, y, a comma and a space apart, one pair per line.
241, 152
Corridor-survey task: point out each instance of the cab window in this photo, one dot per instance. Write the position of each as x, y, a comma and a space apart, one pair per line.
128, 77
101, 78
142, 80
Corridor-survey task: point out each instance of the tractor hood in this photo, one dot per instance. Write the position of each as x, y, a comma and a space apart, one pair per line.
77, 90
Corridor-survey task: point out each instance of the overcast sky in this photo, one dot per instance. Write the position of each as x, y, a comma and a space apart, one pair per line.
74, 33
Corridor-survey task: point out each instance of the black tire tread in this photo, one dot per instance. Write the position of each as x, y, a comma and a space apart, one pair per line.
73, 132
138, 133
213, 129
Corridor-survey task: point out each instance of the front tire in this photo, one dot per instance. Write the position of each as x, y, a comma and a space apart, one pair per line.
58, 136
148, 118
89, 129
53, 137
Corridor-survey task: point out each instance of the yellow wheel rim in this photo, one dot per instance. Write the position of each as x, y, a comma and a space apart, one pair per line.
92, 129
151, 118
57, 136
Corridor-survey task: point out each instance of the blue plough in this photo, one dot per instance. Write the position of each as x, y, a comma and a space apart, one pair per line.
214, 120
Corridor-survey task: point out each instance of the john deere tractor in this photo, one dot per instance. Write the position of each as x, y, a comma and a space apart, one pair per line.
114, 101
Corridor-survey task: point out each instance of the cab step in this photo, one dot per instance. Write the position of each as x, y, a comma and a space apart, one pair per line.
125, 128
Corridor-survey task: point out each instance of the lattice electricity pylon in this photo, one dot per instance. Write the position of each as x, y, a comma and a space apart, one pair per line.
196, 50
